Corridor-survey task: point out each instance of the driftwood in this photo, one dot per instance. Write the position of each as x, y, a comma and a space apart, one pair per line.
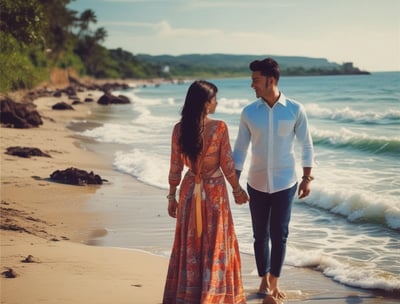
76, 176
26, 152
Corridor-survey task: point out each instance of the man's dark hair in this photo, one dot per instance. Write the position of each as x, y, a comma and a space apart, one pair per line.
267, 67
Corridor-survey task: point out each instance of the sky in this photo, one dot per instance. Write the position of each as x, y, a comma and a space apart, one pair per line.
365, 32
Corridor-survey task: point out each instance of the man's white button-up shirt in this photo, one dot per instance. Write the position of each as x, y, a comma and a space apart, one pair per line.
272, 133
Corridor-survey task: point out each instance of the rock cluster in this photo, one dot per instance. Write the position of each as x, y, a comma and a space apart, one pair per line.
76, 176
25, 152
18, 115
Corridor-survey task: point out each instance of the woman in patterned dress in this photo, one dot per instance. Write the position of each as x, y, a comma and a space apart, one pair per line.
205, 262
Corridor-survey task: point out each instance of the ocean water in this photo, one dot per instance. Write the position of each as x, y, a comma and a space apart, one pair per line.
349, 227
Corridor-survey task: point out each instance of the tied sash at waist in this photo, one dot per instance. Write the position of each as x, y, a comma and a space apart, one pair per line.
199, 195
198, 191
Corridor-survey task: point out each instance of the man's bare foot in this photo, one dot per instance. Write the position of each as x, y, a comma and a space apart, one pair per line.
263, 289
277, 293
273, 287
271, 300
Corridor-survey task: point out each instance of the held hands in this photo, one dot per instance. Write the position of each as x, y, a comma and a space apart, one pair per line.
240, 196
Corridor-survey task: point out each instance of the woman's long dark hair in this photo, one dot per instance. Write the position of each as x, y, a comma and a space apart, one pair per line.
191, 127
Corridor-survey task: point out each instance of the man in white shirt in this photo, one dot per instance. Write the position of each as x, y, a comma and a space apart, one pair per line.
271, 124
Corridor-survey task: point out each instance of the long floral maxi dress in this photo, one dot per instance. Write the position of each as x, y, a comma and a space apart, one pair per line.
204, 269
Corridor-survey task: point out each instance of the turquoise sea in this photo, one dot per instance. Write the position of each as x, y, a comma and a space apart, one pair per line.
348, 229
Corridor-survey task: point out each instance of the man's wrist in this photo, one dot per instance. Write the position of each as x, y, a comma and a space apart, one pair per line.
307, 178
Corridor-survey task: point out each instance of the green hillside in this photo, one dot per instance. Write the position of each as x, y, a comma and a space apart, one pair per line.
237, 61
238, 65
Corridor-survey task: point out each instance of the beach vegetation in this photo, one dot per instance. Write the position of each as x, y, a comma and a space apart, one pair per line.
20, 67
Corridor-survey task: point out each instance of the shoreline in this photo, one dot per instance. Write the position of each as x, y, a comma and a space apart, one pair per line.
63, 220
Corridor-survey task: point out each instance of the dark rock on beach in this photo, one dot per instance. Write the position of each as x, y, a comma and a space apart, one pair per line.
88, 99
30, 259
25, 152
9, 274
109, 98
57, 93
76, 176
111, 86
62, 106
124, 98
18, 115
77, 102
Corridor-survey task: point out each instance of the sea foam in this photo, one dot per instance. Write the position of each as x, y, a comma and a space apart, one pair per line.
347, 272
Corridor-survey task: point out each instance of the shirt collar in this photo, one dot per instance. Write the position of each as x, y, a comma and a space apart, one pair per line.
281, 100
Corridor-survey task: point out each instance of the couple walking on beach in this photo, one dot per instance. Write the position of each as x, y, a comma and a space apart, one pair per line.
205, 262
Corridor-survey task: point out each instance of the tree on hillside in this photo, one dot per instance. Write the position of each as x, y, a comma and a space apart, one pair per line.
88, 46
38, 35
87, 17
24, 20
60, 22
22, 34
128, 66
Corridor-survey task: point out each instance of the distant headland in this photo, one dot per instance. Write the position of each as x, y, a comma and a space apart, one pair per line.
228, 65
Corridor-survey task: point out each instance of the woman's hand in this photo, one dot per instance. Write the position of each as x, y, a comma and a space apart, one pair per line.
172, 206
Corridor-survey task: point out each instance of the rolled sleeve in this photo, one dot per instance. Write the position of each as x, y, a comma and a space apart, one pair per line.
304, 138
241, 144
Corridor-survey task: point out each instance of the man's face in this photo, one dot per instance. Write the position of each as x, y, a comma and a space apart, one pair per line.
259, 83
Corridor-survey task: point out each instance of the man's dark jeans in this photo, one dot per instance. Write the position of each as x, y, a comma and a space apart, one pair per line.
270, 214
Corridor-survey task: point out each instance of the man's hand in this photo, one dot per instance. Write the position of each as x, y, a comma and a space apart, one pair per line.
304, 189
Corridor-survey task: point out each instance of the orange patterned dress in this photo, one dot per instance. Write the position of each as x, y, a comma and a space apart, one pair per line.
205, 268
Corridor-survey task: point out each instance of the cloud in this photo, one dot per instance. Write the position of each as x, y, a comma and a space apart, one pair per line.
128, 24
237, 3
142, 1
165, 30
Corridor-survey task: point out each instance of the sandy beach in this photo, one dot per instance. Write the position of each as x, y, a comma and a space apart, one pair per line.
49, 229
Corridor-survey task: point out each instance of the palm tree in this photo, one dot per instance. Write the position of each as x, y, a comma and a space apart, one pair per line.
86, 17
100, 34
